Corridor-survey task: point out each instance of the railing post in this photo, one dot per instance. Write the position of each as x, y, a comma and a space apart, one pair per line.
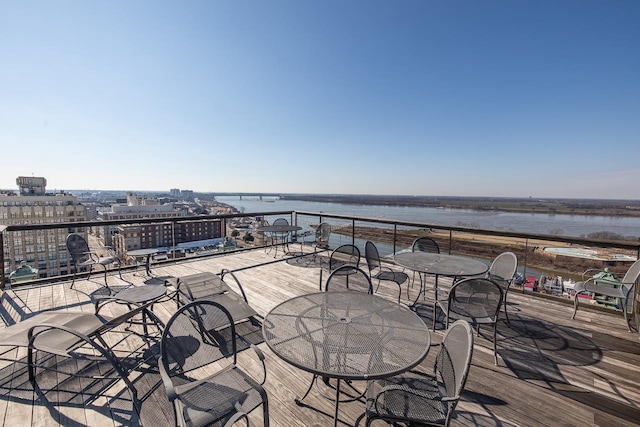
524, 271
450, 240
173, 240
395, 236
2, 228
353, 231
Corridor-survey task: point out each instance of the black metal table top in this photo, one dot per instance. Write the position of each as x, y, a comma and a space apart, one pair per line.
440, 264
143, 252
142, 294
348, 335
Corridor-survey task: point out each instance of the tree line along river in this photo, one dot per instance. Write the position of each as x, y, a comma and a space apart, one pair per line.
537, 223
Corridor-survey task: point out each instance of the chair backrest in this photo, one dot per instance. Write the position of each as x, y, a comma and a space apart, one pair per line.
198, 334
372, 256
425, 244
454, 358
503, 268
344, 254
323, 232
476, 298
281, 221
349, 278
632, 275
78, 248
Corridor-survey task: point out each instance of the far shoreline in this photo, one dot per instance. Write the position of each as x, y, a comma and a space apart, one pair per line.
629, 208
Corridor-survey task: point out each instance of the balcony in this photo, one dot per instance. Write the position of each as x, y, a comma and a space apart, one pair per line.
551, 370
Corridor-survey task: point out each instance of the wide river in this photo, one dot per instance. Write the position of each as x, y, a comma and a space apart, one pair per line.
566, 225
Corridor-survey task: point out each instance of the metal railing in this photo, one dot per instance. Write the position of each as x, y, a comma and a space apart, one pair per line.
391, 234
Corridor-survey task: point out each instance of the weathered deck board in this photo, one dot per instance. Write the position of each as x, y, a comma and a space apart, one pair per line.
552, 370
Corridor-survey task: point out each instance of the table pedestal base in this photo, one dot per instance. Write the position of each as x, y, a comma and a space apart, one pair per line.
336, 398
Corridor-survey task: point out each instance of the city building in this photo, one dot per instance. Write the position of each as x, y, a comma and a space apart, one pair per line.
124, 238
42, 250
136, 207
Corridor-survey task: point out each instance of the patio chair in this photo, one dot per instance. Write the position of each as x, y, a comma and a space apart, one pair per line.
423, 244
476, 300
342, 255
280, 238
200, 372
321, 241
83, 257
502, 270
609, 287
349, 278
420, 398
377, 271
212, 287
74, 335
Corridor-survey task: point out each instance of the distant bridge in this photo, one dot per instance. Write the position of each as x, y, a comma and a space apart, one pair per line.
241, 195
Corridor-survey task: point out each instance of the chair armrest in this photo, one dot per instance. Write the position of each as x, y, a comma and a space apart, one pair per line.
260, 355
588, 274
226, 271
92, 255
166, 380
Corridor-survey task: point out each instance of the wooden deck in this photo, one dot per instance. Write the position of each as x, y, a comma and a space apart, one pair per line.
552, 370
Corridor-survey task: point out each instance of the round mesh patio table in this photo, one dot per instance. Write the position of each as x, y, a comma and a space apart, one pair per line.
274, 230
346, 335
439, 265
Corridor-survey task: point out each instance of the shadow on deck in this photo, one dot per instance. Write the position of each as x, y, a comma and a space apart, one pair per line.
551, 370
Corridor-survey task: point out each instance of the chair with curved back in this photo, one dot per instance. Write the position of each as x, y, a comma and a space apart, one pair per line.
342, 255
423, 244
423, 399
281, 237
502, 270
349, 278
379, 272
322, 234
200, 372
83, 257
476, 300
605, 283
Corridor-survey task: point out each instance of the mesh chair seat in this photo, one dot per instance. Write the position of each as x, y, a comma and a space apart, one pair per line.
214, 401
412, 397
394, 276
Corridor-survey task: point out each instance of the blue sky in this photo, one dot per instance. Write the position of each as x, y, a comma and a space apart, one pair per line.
465, 98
